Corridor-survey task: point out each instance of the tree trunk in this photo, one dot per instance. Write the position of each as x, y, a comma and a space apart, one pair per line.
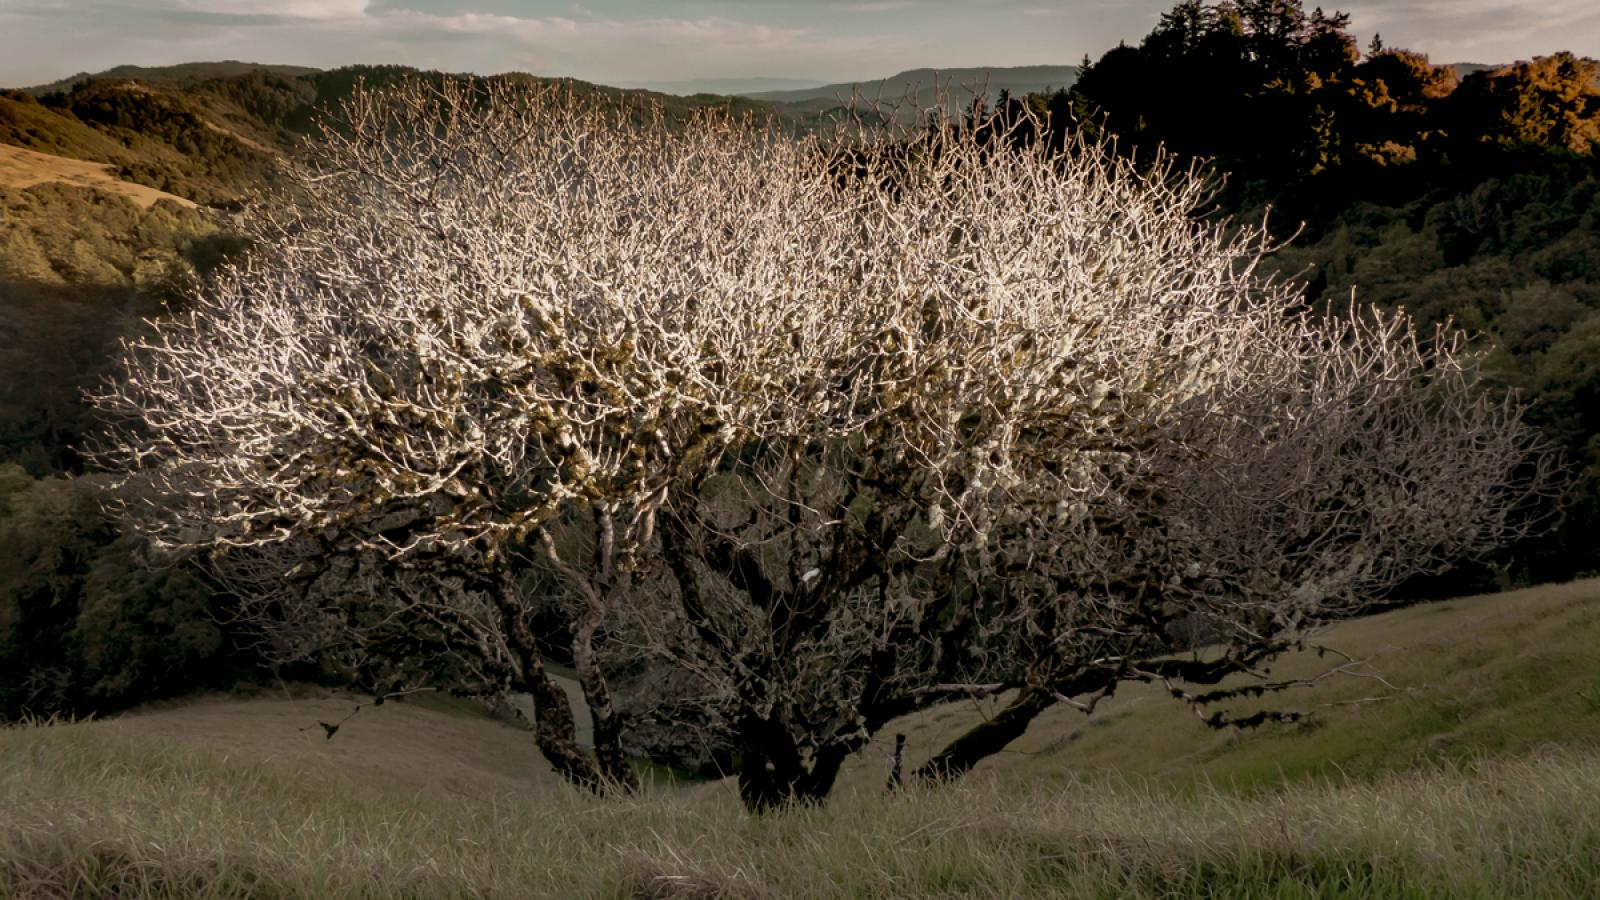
762, 786
988, 737
818, 783
773, 774
554, 727
614, 765
769, 765
555, 730
897, 773
596, 592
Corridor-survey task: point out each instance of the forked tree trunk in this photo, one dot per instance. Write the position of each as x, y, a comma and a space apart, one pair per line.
596, 590
987, 737
615, 768
555, 730
554, 727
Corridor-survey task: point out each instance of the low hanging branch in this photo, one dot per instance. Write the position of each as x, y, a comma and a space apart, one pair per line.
332, 728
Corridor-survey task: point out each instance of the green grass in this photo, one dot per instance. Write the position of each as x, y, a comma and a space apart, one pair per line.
1504, 674
1478, 777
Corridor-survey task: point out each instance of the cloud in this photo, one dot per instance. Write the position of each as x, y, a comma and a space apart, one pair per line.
203, 11
659, 31
314, 10
1484, 30
881, 6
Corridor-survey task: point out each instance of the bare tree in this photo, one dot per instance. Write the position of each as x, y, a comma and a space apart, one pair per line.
841, 426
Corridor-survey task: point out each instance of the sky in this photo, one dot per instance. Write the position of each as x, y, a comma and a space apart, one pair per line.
629, 42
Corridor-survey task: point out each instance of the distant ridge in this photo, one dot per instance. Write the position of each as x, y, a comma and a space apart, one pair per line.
195, 71
922, 86
728, 87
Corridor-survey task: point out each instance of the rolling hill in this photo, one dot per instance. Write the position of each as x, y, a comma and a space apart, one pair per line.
213, 132
729, 87
1463, 69
183, 72
1447, 681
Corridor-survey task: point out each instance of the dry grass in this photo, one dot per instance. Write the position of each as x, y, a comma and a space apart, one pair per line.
413, 746
21, 168
250, 142
90, 813
1445, 792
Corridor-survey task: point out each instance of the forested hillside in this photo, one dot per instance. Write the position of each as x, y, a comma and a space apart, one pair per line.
181, 74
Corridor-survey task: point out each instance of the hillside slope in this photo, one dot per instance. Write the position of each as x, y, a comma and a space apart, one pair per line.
24, 122
429, 746
1500, 674
20, 168
727, 87
1453, 681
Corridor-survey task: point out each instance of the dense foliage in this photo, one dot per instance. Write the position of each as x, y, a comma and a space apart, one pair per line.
86, 622
1279, 96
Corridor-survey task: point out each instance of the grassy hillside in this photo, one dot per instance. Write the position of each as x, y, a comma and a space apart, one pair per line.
435, 746
1449, 681
20, 168
1478, 778
91, 814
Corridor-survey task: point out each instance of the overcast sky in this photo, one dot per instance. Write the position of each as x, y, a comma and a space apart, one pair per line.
634, 41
